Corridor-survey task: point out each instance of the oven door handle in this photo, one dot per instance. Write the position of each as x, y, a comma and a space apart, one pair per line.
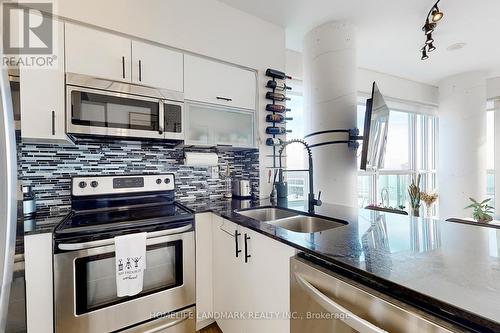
111, 241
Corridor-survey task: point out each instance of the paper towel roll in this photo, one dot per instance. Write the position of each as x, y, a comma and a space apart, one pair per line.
200, 159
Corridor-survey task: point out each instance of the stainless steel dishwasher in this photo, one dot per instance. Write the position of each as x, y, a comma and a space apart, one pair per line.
323, 301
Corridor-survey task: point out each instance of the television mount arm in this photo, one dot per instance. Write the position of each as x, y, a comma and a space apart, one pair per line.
352, 140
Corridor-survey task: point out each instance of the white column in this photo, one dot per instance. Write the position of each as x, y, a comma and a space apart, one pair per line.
497, 161
330, 103
462, 142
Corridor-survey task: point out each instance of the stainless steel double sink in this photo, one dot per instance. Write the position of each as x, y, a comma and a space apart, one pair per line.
291, 220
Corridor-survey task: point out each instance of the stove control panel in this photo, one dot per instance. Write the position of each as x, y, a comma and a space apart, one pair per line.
106, 185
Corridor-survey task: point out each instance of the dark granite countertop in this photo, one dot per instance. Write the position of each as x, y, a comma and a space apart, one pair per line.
450, 269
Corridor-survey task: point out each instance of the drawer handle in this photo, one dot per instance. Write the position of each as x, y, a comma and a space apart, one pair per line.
224, 99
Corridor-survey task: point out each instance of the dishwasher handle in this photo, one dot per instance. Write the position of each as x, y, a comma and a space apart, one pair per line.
359, 324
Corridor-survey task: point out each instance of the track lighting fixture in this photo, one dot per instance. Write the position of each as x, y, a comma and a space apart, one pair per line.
434, 15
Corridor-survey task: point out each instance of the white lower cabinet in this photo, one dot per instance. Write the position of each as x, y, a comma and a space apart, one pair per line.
247, 291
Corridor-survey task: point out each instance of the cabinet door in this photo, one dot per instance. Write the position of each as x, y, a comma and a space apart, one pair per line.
214, 82
42, 110
210, 125
228, 286
204, 269
96, 53
266, 277
157, 66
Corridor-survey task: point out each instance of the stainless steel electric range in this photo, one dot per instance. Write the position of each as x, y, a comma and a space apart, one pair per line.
84, 260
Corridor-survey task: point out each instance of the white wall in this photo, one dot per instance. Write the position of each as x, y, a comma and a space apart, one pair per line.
205, 27
390, 85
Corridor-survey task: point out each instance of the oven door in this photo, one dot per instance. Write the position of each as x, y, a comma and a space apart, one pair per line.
85, 286
100, 112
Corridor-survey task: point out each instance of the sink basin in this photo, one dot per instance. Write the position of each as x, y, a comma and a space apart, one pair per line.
306, 224
267, 214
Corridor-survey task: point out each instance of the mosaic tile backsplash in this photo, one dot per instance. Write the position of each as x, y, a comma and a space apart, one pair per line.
48, 168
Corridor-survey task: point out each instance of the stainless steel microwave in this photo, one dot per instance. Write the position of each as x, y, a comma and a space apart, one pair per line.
99, 107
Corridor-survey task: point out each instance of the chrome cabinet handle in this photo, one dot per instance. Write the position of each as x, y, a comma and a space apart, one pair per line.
105, 242
53, 122
224, 98
236, 235
246, 248
350, 319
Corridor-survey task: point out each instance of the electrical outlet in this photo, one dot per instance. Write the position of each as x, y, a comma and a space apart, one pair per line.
213, 172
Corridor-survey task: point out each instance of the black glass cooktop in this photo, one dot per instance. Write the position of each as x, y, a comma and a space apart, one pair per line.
136, 218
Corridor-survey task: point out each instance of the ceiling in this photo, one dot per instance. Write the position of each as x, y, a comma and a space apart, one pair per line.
389, 32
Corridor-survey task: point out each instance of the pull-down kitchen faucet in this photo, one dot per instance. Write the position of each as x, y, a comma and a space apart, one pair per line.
311, 200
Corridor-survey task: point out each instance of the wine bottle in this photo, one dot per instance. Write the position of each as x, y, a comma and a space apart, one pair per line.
276, 108
276, 96
275, 85
277, 74
277, 130
277, 118
274, 142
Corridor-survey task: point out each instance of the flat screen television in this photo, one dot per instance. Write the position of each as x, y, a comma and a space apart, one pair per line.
375, 131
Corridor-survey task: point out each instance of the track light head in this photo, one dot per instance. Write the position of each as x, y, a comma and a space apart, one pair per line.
429, 40
431, 47
428, 28
424, 54
436, 14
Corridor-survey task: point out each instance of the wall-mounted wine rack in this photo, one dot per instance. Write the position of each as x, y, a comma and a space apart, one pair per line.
277, 116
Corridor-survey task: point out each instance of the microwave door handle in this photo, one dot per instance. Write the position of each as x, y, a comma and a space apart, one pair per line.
161, 117
350, 319
111, 241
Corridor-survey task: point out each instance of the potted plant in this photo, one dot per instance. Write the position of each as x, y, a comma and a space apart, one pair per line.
414, 193
481, 211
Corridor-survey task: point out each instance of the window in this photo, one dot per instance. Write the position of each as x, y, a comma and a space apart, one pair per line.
411, 150
298, 181
490, 147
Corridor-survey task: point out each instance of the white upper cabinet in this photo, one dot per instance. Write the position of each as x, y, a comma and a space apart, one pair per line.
42, 98
214, 82
212, 125
157, 66
97, 53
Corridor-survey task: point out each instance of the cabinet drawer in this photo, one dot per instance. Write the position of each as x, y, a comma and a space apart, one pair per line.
214, 82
